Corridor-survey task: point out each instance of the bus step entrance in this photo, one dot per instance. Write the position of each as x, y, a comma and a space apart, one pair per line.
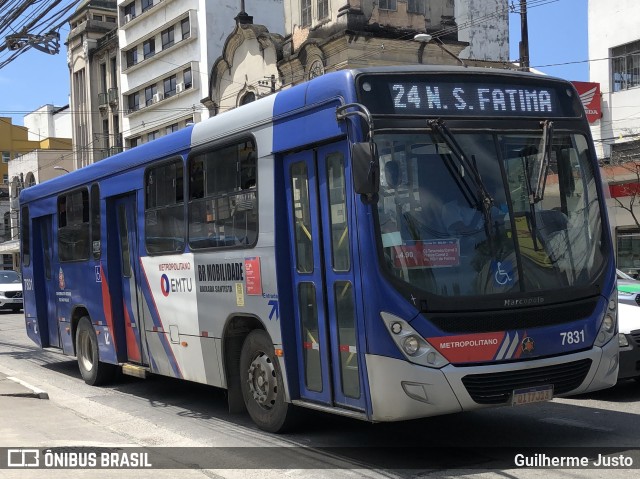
134, 370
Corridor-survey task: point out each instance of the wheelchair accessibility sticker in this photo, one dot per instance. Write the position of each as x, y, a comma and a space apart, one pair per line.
502, 273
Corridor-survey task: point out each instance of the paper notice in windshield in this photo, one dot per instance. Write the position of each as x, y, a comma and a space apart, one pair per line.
443, 253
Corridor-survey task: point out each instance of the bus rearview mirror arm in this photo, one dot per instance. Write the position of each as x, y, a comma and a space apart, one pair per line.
364, 157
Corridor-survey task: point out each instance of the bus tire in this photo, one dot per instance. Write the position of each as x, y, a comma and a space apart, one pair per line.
262, 385
92, 370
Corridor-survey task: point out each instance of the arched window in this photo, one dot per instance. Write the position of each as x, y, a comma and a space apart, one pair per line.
30, 180
247, 98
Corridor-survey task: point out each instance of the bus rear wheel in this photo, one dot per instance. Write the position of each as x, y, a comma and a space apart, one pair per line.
92, 370
262, 385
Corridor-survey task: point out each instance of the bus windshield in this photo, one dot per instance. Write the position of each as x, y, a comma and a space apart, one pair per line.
436, 235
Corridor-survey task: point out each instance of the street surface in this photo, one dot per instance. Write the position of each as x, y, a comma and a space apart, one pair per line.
165, 412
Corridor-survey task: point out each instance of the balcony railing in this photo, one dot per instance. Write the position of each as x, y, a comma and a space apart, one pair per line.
113, 96
103, 100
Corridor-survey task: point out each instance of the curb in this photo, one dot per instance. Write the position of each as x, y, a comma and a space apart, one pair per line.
33, 392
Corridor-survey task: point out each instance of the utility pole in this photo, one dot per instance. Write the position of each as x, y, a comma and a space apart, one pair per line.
524, 40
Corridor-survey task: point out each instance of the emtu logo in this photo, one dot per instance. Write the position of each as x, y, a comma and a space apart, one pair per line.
175, 285
165, 287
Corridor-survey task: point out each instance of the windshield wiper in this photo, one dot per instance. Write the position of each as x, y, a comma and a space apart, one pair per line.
547, 145
536, 194
484, 201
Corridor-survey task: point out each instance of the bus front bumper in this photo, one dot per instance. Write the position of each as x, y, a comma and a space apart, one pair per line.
401, 390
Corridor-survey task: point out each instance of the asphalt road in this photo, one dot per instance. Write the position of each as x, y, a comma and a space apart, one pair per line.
479, 444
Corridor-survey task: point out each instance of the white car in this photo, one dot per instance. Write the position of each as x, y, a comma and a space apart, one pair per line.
629, 326
10, 290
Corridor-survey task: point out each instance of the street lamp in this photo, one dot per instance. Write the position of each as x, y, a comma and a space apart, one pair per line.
61, 169
425, 38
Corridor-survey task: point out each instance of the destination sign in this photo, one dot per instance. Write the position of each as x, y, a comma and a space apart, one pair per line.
465, 96
469, 98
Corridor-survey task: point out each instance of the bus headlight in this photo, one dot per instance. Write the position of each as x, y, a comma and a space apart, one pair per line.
608, 328
411, 345
414, 347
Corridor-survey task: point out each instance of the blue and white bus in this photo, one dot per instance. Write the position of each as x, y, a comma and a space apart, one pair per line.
384, 244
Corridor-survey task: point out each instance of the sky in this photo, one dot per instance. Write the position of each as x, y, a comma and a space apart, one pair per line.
557, 34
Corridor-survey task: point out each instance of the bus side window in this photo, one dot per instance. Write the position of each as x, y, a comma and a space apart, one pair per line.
73, 226
62, 212
248, 171
164, 210
223, 212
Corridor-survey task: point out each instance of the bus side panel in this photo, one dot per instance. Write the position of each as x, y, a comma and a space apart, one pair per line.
222, 298
173, 306
80, 286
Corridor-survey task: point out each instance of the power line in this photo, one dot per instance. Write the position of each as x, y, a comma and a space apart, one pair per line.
33, 23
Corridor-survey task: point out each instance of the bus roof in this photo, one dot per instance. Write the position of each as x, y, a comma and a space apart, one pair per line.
454, 69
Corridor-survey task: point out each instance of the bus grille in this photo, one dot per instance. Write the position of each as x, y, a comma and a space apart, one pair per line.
636, 336
13, 294
496, 388
501, 320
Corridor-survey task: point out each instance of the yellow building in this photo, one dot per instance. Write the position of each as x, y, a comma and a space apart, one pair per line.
13, 142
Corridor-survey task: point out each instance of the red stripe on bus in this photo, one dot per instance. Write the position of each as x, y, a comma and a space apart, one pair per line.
106, 306
133, 350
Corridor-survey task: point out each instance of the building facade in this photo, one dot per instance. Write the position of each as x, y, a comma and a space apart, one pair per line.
614, 45
19, 172
49, 121
321, 36
14, 141
167, 49
92, 57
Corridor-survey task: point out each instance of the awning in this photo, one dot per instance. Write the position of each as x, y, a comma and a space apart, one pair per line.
9, 247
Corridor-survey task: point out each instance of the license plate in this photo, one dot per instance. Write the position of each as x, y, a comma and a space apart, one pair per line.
531, 395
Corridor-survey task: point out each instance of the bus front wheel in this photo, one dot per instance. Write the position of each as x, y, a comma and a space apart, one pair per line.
92, 370
262, 385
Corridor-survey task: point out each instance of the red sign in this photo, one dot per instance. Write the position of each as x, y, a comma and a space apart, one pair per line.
469, 347
252, 275
428, 253
590, 98
624, 189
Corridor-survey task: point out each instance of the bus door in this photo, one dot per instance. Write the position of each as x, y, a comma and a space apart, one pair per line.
43, 275
131, 308
323, 277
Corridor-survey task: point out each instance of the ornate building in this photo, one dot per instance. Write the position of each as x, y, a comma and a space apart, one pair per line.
92, 56
329, 35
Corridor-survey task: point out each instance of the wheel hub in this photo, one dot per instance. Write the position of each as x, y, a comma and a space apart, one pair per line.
262, 381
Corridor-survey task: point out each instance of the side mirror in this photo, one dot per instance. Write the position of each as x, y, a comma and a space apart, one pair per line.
365, 169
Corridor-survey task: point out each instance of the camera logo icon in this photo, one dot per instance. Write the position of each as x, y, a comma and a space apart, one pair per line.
23, 457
